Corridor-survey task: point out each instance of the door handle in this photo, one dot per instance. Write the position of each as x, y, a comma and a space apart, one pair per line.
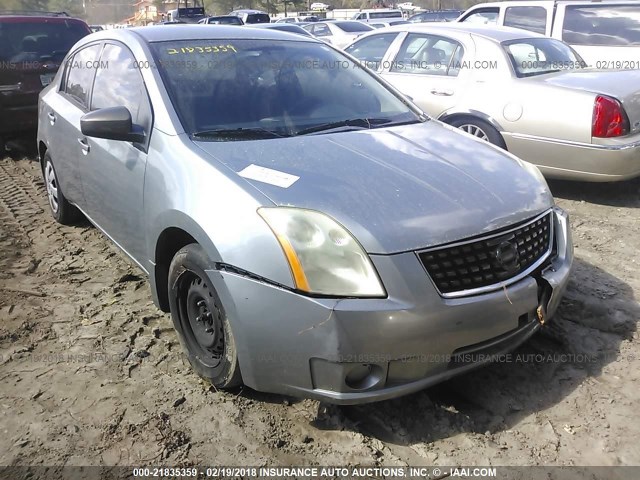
442, 93
52, 117
84, 145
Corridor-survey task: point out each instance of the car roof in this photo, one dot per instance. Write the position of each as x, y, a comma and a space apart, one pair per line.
498, 34
56, 17
158, 33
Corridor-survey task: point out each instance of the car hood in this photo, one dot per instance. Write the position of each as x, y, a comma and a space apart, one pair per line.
397, 189
621, 84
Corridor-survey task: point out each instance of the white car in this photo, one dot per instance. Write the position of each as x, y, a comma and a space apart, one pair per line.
340, 33
521, 91
319, 6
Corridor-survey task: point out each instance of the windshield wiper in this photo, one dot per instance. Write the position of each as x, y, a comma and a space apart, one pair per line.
358, 123
237, 134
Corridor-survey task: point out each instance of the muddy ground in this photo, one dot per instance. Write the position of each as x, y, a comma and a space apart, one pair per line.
91, 372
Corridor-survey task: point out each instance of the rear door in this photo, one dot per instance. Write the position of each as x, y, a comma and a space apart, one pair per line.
63, 111
113, 171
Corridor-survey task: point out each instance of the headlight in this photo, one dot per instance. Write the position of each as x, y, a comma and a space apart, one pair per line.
323, 256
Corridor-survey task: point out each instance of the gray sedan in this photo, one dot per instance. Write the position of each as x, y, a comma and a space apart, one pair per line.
311, 231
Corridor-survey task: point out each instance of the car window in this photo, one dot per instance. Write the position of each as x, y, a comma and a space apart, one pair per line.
271, 86
604, 25
31, 41
539, 56
428, 55
371, 50
449, 16
118, 83
484, 16
529, 18
375, 15
258, 18
353, 27
321, 30
81, 68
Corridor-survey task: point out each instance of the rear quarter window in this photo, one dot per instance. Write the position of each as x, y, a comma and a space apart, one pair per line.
533, 19
602, 25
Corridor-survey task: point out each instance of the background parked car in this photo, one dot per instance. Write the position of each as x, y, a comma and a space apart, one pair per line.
252, 16
339, 33
305, 19
605, 33
387, 24
519, 90
436, 16
222, 20
32, 47
283, 27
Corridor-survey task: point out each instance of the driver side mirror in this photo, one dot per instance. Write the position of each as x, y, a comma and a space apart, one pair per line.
113, 124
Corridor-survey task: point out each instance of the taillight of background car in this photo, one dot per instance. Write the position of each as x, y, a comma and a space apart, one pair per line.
609, 118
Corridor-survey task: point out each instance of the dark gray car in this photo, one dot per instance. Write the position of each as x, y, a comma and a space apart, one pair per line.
310, 230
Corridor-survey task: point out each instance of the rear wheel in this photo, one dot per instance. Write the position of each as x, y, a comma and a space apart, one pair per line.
61, 209
200, 319
481, 129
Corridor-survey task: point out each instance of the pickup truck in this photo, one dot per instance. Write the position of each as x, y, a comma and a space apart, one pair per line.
605, 33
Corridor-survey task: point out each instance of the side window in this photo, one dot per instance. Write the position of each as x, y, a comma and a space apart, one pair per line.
533, 19
119, 84
483, 16
371, 50
321, 31
428, 55
80, 72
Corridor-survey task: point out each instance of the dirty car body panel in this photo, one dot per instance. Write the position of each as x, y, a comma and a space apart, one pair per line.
401, 194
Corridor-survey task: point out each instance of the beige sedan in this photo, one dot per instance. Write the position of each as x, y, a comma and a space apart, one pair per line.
526, 93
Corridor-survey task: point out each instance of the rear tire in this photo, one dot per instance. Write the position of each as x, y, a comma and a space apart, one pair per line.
481, 129
200, 320
61, 210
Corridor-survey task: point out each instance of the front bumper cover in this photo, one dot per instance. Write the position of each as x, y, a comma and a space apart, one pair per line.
349, 351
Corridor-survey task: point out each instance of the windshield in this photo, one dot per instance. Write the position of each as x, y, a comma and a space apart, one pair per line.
31, 41
608, 25
353, 26
275, 88
539, 56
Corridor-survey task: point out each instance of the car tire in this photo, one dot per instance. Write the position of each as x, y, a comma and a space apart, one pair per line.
61, 210
200, 319
479, 128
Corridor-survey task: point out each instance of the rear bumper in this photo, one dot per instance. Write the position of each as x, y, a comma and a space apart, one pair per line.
18, 118
352, 351
617, 160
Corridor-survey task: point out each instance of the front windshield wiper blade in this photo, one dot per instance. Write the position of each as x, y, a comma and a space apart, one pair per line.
237, 133
359, 123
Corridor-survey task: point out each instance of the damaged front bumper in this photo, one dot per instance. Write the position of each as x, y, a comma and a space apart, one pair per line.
349, 351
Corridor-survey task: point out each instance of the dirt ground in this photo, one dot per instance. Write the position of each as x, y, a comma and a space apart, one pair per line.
91, 372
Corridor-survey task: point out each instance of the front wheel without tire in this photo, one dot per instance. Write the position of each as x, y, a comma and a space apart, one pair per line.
200, 320
480, 129
61, 210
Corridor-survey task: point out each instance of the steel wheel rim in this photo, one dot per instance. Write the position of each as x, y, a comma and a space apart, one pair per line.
52, 187
474, 130
200, 314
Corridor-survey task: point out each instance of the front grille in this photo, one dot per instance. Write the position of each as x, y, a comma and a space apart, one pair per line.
489, 261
